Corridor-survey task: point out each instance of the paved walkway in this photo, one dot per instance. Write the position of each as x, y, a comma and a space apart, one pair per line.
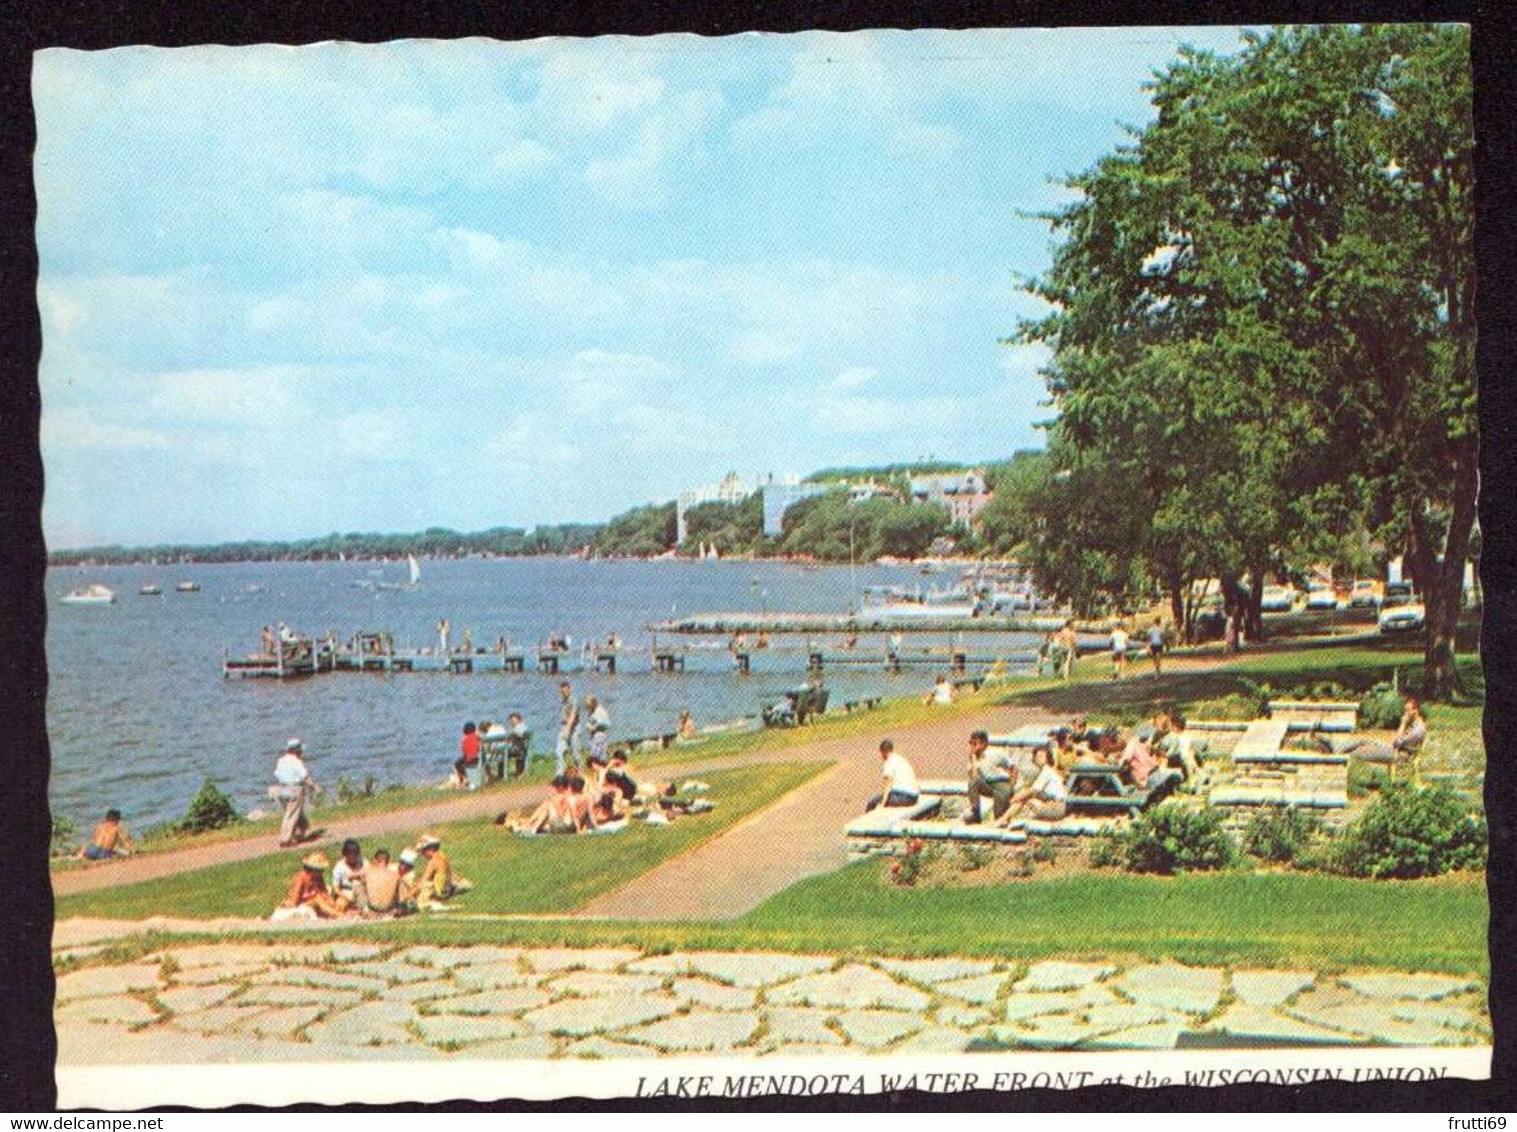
799, 836
313, 1000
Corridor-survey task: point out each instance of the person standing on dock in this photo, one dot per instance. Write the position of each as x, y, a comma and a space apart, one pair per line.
293, 786
266, 642
443, 630
568, 728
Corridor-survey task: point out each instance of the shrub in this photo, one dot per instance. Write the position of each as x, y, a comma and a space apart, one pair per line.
1106, 850
1381, 708
1044, 851
1175, 838
972, 858
1319, 691
1280, 833
65, 835
905, 869
209, 809
348, 792
1411, 831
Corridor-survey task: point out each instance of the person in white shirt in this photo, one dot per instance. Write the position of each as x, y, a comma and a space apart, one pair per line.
293, 787
1046, 795
898, 779
1119, 639
598, 724
348, 874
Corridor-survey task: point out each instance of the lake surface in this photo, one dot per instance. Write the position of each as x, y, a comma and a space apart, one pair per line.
139, 714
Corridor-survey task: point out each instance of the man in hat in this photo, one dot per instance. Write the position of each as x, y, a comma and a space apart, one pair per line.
293, 786
437, 881
405, 868
308, 889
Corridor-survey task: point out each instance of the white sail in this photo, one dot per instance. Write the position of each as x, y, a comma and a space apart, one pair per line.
415, 569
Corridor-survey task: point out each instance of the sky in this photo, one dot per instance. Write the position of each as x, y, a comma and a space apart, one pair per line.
290, 291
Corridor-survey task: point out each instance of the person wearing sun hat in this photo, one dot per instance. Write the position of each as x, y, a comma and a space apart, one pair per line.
308, 888
293, 786
437, 881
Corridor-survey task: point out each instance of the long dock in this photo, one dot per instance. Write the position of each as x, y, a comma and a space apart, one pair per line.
865, 621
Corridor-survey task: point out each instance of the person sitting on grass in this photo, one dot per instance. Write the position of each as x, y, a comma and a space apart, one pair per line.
554, 815
438, 882
348, 874
308, 890
108, 841
1065, 753
381, 886
1045, 798
941, 693
580, 806
687, 729
608, 802
898, 779
405, 869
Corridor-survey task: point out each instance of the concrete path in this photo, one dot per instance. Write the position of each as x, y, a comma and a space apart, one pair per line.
799, 836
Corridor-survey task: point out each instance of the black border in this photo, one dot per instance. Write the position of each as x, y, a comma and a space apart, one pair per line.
27, 1046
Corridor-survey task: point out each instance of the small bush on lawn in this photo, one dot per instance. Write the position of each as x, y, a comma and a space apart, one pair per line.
1411, 831
1173, 838
905, 869
1280, 833
209, 809
972, 858
65, 833
1321, 691
1106, 850
1381, 708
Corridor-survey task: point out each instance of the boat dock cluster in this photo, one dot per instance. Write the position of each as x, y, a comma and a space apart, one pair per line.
298, 656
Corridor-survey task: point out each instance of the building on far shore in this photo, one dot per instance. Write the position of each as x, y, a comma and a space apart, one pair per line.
732, 489
780, 496
963, 493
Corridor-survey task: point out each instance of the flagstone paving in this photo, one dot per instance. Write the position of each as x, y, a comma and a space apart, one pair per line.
276, 1002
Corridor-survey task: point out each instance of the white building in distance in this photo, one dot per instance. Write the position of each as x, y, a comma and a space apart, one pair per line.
731, 490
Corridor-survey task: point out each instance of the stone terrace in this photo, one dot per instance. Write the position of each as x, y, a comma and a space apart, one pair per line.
312, 999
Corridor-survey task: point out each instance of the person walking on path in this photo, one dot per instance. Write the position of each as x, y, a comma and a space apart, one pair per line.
1156, 645
567, 745
294, 787
1071, 645
1119, 640
598, 724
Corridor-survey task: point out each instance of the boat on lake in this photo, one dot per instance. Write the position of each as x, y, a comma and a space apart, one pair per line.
150, 589
92, 594
188, 587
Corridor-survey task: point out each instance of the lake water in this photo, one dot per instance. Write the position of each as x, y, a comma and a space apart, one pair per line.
139, 714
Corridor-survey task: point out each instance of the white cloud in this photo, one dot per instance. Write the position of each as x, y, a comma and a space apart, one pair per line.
76, 427
256, 398
590, 90
854, 378
668, 140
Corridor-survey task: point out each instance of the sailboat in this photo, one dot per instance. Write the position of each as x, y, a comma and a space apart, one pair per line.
413, 584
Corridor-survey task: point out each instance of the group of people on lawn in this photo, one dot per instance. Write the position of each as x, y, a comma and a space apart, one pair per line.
422, 878
604, 799
1022, 782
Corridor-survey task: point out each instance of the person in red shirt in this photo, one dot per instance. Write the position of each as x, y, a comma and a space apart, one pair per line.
468, 755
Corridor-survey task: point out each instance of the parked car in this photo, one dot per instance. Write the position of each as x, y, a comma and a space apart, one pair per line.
1366, 594
1278, 599
1401, 612
1322, 597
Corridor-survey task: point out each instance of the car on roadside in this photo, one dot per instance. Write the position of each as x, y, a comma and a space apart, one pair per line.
1366, 594
1322, 597
1401, 612
1278, 599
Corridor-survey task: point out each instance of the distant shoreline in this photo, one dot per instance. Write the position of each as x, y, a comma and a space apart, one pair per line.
61, 560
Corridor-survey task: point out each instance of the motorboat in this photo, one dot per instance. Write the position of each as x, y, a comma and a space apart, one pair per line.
188, 587
150, 589
92, 594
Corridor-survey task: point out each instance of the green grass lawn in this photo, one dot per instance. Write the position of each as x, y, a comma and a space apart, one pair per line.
510, 873
1235, 919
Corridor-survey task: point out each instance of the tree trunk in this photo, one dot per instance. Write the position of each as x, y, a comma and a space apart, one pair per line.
1230, 607
1443, 599
1255, 600
1177, 590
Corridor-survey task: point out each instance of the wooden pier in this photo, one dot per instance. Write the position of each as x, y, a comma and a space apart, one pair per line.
868, 620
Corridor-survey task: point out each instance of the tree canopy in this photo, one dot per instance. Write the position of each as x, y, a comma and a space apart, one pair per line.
1262, 320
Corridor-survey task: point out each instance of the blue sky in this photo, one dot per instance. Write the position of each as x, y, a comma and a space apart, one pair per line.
287, 291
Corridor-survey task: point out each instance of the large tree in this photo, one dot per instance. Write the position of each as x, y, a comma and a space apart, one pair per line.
1263, 310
